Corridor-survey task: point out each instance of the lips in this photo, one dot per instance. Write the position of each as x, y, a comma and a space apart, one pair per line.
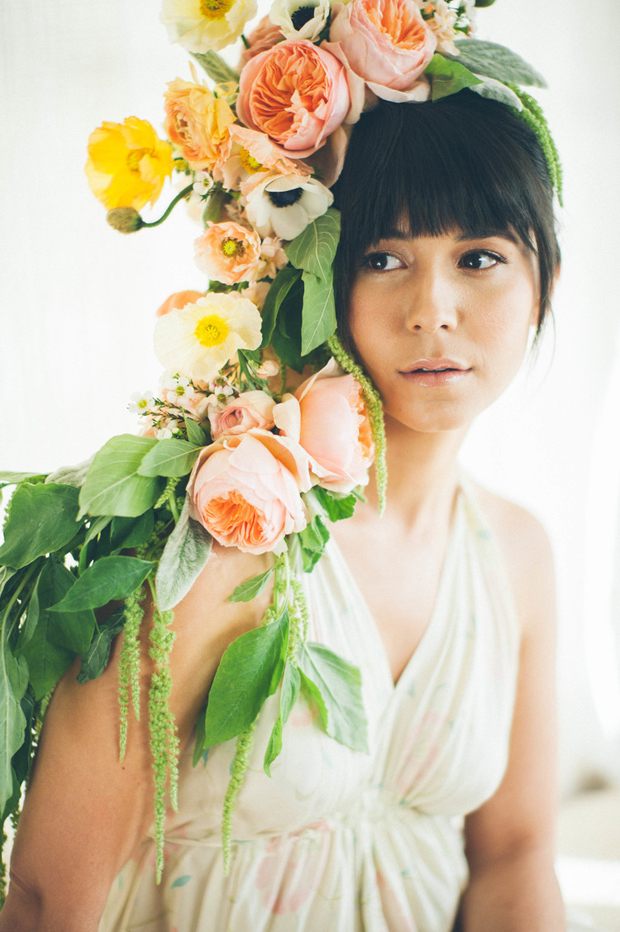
434, 365
435, 373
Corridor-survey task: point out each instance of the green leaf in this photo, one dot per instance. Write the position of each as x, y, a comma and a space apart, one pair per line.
113, 486
336, 685
315, 248
291, 684
131, 532
213, 213
312, 540
108, 579
251, 588
199, 747
336, 505
14, 478
195, 433
216, 67
46, 661
249, 672
496, 61
13, 685
448, 76
495, 90
97, 526
42, 519
95, 659
70, 630
185, 555
71, 475
281, 287
319, 312
170, 458
6, 572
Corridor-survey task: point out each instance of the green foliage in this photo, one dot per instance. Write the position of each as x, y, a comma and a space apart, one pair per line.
277, 294
183, 559
447, 76
315, 248
335, 505
319, 312
195, 433
249, 672
291, 684
113, 485
170, 458
13, 685
95, 658
336, 686
129, 664
312, 541
532, 115
216, 67
286, 334
108, 579
15, 478
498, 62
42, 519
127, 533
495, 90
71, 475
251, 588
239, 766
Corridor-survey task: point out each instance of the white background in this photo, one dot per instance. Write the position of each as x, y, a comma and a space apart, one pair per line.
77, 298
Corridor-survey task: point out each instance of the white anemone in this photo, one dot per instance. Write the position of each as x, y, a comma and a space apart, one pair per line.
284, 205
198, 339
300, 19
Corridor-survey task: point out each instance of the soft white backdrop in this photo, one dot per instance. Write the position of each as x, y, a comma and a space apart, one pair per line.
77, 299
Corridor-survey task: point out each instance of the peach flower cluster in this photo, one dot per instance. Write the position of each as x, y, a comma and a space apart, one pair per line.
230, 253
246, 486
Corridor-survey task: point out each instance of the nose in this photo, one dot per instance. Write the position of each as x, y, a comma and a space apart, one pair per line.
432, 303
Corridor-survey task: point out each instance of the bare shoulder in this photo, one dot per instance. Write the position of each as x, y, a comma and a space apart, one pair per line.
527, 553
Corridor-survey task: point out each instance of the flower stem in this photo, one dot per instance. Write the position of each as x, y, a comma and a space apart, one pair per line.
173, 203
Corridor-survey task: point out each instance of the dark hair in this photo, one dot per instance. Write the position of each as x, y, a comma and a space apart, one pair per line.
463, 162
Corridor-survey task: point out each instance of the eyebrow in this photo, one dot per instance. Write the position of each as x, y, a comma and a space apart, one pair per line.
508, 234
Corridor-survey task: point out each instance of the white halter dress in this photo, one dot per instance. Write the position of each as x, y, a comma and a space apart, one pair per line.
338, 840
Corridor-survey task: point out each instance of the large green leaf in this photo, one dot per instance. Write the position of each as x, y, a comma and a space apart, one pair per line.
47, 662
6, 573
336, 686
291, 683
131, 532
251, 588
280, 289
108, 579
314, 249
113, 485
319, 312
13, 685
496, 61
249, 672
71, 630
185, 555
448, 76
42, 519
171, 458
95, 659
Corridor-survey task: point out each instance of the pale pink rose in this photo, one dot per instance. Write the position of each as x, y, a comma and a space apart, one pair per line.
263, 37
296, 93
335, 429
250, 409
229, 253
244, 495
197, 122
178, 300
248, 152
387, 43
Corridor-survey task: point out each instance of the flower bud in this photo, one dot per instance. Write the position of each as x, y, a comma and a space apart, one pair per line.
124, 219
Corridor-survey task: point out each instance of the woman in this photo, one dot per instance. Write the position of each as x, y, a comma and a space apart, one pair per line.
446, 262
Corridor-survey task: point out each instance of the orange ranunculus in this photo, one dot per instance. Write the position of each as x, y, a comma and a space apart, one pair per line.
197, 122
296, 93
244, 494
385, 42
178, 300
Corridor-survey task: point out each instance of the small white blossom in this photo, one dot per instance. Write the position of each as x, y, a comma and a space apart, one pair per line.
203, 182
139, 403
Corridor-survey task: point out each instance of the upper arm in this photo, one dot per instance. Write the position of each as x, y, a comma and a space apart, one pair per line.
521, 813
86, 811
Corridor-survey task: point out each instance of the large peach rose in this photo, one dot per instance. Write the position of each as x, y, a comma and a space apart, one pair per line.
242, 492
333, 428
296, 93
197, 122
385, 42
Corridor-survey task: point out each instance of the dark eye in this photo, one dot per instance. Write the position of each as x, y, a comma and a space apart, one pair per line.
479, 259
381, 262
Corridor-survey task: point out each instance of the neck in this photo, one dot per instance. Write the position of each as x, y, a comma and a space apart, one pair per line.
422, 475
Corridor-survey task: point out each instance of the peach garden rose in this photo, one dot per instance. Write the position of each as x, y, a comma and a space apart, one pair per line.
296, 93
249, 409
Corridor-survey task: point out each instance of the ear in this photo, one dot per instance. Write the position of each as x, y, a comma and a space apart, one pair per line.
536, 309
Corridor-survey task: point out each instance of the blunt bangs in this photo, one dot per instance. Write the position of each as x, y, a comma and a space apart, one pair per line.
462, 163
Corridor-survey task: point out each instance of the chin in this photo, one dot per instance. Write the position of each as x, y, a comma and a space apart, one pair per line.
433, 418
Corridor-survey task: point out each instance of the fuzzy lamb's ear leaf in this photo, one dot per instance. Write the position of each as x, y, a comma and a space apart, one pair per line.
185, 555
42, 519
315, 248
336, 685
319, 312
249, 672
448, 76
216, 67
71, 475
496, 61
113, 485
495, 90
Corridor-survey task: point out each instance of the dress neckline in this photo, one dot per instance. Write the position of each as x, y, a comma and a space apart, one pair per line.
433, 622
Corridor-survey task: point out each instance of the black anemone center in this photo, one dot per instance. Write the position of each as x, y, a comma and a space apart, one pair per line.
301, 16
285, 198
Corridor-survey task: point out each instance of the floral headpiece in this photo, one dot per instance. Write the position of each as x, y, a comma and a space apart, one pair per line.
225, 451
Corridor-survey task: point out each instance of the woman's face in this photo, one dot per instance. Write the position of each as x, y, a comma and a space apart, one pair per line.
441, 323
